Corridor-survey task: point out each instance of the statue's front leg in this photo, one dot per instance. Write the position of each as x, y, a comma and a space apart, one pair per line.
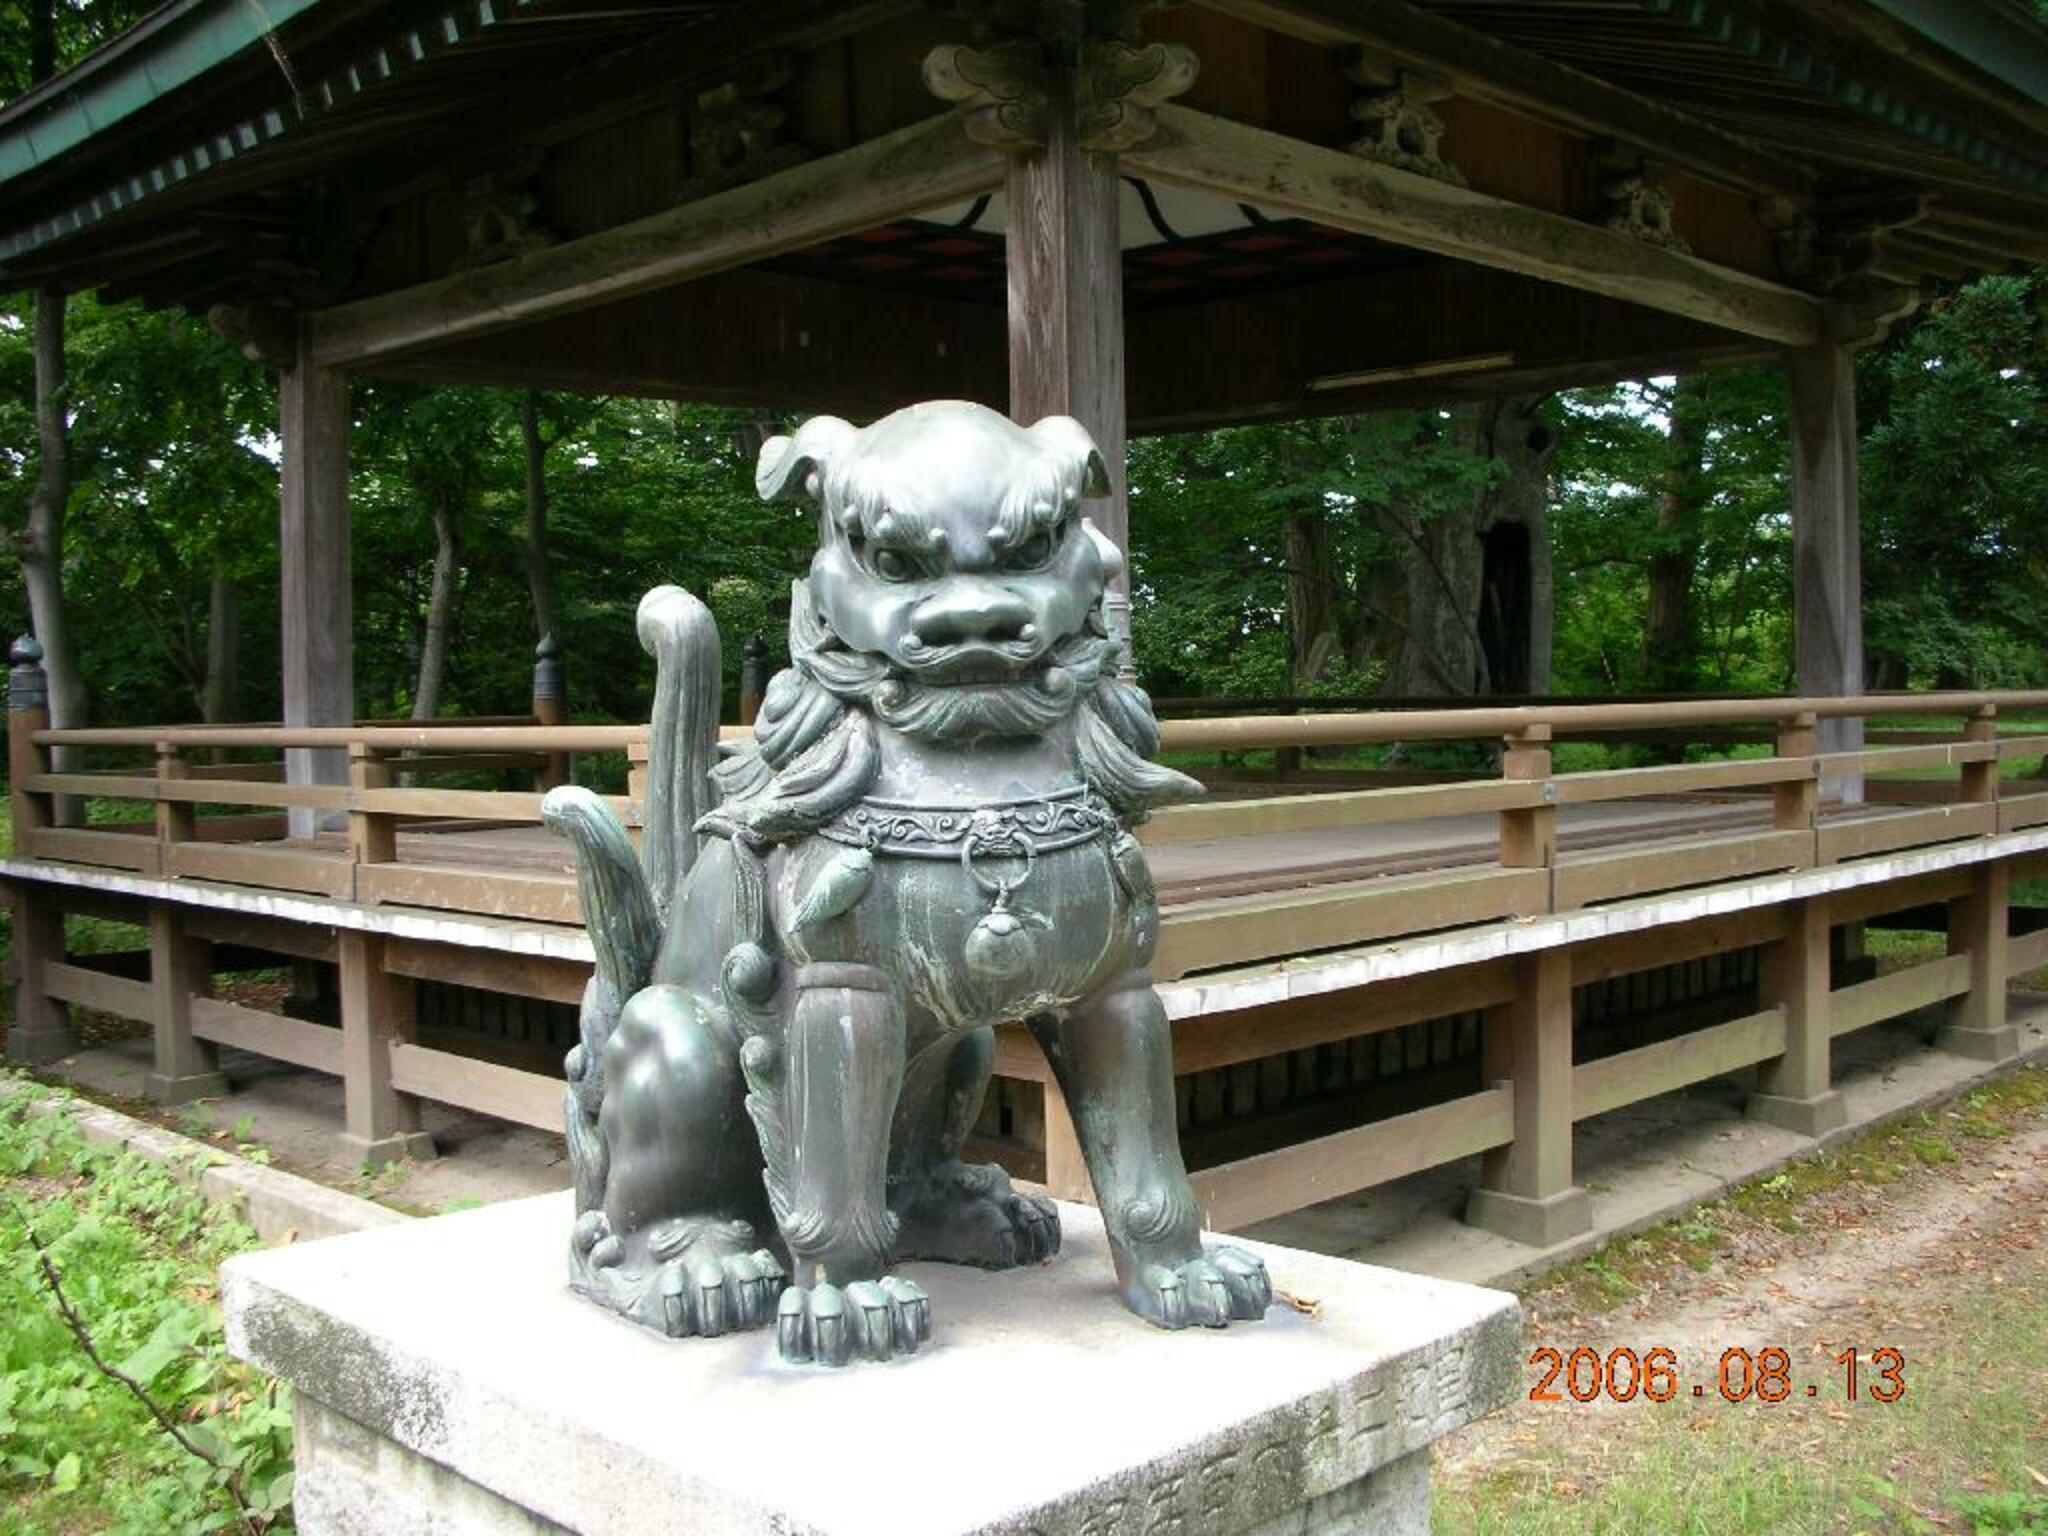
841, 1075
1113, 1057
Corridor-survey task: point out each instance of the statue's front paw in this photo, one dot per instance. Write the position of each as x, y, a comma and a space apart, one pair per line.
868, 1320
718, 1295
1217, 1287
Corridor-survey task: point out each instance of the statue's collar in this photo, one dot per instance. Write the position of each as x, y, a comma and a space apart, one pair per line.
1033, 825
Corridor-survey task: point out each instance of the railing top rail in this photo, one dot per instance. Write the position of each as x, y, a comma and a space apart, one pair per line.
1223, 732
1253, 731
483, 738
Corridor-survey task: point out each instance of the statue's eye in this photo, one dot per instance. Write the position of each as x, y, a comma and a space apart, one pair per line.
894, 565
1033, 552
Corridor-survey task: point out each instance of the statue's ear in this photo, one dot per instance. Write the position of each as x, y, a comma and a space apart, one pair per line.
788, 468
1067, 440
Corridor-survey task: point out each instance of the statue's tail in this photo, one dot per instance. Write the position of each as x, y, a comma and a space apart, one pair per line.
618, 910
678, 632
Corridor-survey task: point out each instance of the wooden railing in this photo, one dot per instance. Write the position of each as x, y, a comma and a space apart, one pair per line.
1529, 869
1494, 848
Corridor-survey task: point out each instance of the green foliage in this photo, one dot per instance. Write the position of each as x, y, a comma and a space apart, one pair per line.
137, 1253
1211, 557
1955, 529
1616, 459
175, 483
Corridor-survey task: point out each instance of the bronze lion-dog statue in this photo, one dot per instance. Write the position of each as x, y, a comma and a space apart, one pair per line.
790, 1028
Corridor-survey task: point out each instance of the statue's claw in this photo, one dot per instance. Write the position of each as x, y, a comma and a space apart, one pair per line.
1220, 1286
709, 1297
870, 1320
969, 1214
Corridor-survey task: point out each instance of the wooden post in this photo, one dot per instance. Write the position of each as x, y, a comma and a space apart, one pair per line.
315, 606
1827, 549
1796, 1090
372, 835
41, 1028
1978, 927
753, 677
1528, 838
175, 819
551, 707
180, 969
1066, 1171
1525, 1188
1067, 304
382, 1123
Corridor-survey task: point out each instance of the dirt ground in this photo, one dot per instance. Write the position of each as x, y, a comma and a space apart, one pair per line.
1933, 1243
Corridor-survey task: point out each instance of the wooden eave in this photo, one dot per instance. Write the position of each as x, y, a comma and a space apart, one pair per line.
343, 199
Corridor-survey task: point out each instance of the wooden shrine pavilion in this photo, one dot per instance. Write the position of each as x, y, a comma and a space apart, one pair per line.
1150, 217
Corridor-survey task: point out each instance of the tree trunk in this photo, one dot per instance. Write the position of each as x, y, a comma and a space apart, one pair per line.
1460, 610
540, 574
1312, 638
426, 696
42, 555
42, 40
1670, 659
217, 699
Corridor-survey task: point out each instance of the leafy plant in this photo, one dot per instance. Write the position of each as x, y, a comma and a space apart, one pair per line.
135, 1252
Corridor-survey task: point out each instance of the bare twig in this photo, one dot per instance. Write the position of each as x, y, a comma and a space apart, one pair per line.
229, 1478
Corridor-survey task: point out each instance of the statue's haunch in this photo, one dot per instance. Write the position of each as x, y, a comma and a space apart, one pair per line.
789, 1032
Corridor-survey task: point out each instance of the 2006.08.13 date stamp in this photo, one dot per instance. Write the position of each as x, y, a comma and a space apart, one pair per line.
1740, 1375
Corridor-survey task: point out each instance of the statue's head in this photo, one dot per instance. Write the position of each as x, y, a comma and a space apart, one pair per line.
957, 589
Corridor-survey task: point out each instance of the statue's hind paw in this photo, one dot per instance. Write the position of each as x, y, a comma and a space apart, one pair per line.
705, 1297
868, 1320
1217, 1287
969, 1214
687, 1277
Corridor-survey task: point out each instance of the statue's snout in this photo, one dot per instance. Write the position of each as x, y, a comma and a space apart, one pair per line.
968, 610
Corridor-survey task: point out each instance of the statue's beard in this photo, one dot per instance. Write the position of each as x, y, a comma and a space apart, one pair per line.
1030, 703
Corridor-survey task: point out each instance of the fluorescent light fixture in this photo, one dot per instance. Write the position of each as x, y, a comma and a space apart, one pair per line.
1477, 363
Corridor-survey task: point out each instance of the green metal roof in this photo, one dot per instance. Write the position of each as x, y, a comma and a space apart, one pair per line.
170, 48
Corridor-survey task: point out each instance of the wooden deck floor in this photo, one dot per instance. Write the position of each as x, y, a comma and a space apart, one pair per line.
1196, 871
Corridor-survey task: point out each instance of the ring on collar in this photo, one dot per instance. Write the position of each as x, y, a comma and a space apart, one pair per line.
991, 835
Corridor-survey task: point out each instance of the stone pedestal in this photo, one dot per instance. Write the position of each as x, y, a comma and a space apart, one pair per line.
449, 1384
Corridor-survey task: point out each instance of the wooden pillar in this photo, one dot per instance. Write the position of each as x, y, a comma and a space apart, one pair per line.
382, 1123
1796, 1090
41, 1028
180, 969
314, 600
1067, 302
1827, 548
1525, 1188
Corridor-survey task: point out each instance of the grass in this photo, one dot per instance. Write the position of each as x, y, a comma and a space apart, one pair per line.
1962, 1450
1626, 1270
137, 1252
1965, 1450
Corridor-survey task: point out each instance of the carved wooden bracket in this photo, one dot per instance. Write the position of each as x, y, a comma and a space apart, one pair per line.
1634, 200
1001, 90
500, 213
1838, 249
1864, 310
263, 333
1118, 85
736, 127
1398, 110
1007, 89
